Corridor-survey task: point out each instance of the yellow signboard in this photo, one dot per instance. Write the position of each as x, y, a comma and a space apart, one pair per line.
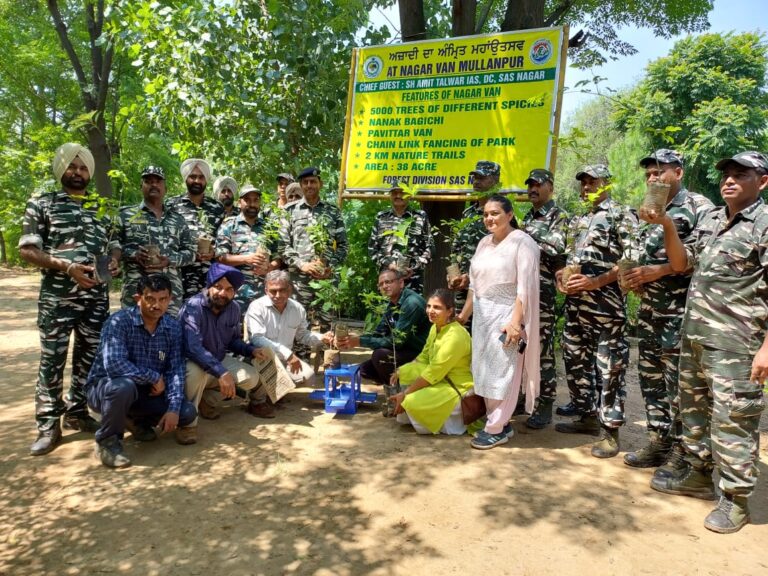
424, 113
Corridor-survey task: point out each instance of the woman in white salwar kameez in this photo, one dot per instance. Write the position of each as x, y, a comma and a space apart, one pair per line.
503, 301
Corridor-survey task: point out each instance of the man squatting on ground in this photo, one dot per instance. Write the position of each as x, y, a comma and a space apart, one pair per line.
404, 328
61, 237
278, 322
138, 373
212, 328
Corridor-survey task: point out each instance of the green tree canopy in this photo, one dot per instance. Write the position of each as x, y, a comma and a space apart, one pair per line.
711, 91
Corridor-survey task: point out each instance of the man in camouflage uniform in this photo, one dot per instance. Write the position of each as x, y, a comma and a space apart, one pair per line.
724, 348
546, 223
203, 216
595, 313
662, 304
62, 237
225, 190
152, 224
248, 243
313, 243
283, 180
484, 177
401, 239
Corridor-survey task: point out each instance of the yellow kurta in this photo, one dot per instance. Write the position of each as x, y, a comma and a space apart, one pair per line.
446, 353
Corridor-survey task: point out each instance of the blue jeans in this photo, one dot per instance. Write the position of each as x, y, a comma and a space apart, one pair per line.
120, 398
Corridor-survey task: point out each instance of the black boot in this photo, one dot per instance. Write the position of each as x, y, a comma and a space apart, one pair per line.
542, 414
651, 455
46, 441
608, 445
692, 482
568, 410
675, 463
731, 515
587, 424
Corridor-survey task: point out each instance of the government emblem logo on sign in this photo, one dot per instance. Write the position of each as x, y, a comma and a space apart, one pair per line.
372, 67
541, 51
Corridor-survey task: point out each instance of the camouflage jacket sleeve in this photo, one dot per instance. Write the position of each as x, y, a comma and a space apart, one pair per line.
464, 245
421, 245
375, 244
549, 230
224, 237
626, 225
286, 250
127, 244
187, 251
33, 228
339, 235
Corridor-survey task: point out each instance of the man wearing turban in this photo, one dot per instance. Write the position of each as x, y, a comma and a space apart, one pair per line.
224, 190
64, 239
212, 329
203, 216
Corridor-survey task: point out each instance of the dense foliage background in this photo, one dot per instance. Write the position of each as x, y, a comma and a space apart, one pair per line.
260, 87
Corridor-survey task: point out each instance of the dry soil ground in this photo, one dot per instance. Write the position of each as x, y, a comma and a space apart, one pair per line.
310, 493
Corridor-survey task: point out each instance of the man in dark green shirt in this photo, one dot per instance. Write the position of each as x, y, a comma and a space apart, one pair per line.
401, 333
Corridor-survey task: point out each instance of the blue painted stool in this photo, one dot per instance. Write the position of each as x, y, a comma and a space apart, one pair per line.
343, 390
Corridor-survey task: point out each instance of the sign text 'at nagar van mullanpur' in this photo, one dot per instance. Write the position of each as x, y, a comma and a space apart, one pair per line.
423, 113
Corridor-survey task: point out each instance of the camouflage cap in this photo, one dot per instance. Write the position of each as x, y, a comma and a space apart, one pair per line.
395, 186
307, 172
749, 159
594, 170
486, 168
663, 156
247, 189
153, 171
285, 176
539, 176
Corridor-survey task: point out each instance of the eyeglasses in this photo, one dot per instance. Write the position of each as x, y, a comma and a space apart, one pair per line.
387, 282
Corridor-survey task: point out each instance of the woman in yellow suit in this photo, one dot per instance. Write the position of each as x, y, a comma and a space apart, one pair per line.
429, 402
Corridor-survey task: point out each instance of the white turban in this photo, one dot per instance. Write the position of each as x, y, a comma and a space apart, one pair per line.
66, 153
189, 164
223, 182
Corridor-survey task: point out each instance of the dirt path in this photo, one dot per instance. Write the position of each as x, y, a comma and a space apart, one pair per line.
310, 493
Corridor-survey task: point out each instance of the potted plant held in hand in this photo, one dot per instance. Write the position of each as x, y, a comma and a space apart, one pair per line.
334, 295
455, 227
377, 307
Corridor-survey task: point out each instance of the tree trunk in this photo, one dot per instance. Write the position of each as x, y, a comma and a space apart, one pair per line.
412, 24
434, 274
463, 17
102, 156
3, 251
523, 14
413, 27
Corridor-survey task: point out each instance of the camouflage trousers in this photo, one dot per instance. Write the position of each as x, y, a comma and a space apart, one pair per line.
720, 410
131, 281
304, 294
57, 319
416, 282
193, 277
547, 325
659, 354
596, 342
